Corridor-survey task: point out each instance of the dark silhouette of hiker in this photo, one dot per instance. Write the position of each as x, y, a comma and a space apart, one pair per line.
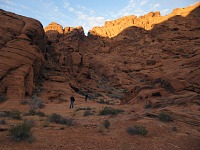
72, 99
86, 97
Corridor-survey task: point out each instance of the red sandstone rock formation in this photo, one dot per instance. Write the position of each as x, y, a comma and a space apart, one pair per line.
22, 45
151, 57
147, 22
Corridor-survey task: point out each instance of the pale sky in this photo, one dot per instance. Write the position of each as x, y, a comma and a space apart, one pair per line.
88, 13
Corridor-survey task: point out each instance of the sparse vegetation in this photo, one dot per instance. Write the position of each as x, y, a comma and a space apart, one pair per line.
148, 105
2, 99
35, 103
40, 114
101, 101
21, 132
15, 114
106, 124
24, 102
83, 108
55, 118
164, 117
137, 130
2, 121
87, 113
67, 121
60, 119
110, 111
31, 112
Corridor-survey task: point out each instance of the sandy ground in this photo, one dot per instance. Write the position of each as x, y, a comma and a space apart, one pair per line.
88, 134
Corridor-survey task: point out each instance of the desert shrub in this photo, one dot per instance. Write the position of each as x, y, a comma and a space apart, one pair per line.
164, 117
87, 113
21, 131
101, 101
67, 121
137, 130
36, 103
2, 121
15, 114
55, 118
83, 108
3, 114
30, 122
106, 124
3, 98
31, 112
60, 119
147, 105
110, 111
40, 114
24, 102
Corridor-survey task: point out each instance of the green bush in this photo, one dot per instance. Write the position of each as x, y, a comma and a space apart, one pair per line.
164, 117
87, 113
106, 124
60, 119
15, 114
21, 131
110, 111
2, 99
137, 130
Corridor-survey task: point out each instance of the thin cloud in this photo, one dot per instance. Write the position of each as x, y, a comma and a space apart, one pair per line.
155, 6
164, 12
131, 8
85, 16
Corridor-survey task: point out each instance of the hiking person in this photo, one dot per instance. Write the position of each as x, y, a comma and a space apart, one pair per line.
86, 97
72, 99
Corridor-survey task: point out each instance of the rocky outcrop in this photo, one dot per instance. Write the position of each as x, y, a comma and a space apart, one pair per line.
147, 22
22, 47
64, 44
149, 58
154, 61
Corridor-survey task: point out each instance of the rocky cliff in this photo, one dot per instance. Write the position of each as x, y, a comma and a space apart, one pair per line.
22, 47
149, 58
147, 22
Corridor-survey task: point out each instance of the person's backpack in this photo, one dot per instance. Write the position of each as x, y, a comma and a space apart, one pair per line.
72, 98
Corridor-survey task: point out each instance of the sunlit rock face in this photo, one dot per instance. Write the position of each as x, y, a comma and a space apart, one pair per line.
147, 22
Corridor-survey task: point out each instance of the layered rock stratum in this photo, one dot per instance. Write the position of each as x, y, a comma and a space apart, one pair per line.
146, 66
149, 58
22, 47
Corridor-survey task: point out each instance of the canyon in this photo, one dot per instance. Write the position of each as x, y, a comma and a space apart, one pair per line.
128, 63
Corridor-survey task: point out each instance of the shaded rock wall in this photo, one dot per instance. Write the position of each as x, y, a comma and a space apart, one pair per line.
21, 54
